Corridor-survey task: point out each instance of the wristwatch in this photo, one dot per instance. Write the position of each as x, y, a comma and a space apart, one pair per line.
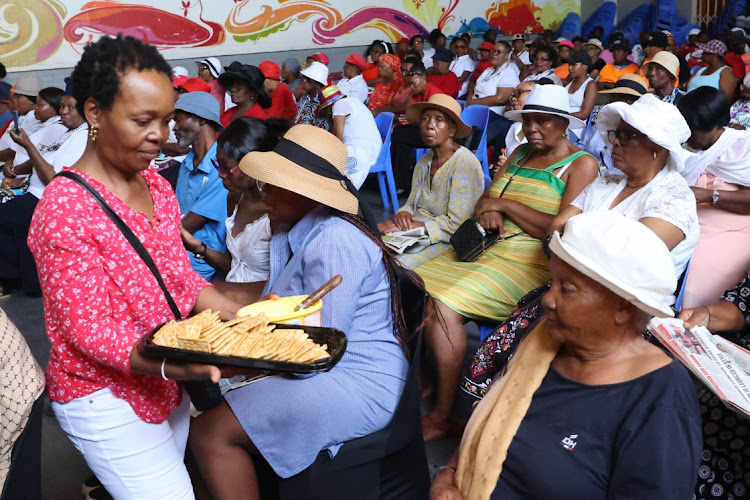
201, 253
715, 197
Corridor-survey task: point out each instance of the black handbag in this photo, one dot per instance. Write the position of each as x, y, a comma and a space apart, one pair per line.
471, 240
204, 394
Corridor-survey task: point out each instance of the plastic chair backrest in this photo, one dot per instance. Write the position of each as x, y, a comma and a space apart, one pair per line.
384, 121
681, 287
476, 116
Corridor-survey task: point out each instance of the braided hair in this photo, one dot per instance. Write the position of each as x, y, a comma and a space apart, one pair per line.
97, 75
398, 276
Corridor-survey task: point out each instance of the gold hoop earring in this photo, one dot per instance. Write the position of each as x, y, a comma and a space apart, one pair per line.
93, 131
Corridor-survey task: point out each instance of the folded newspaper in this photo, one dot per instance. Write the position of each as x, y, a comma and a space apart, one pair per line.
410, 241
724, 367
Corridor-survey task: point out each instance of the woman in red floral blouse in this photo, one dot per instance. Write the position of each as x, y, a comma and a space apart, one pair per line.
123, 411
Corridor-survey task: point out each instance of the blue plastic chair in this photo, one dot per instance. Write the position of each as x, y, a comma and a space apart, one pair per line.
604, 16
728, 17
462, 103
681, 288
570, 27
640, 19
382, 166
478, 115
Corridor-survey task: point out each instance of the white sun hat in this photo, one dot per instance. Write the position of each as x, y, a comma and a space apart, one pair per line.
623, 255
661, 122
317, 72
549, 100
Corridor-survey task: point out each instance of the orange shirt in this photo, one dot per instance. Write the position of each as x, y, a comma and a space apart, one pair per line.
562, 71
610, 74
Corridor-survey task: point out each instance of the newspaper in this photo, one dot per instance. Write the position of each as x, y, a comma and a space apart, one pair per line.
724, 367
410, 241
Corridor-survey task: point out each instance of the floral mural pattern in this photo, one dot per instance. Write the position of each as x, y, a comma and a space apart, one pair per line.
53, 32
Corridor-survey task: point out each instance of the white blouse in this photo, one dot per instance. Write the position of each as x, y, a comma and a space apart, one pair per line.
250, 250
667, 197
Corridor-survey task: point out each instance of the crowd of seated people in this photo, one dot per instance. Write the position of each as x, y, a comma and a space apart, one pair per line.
607, 162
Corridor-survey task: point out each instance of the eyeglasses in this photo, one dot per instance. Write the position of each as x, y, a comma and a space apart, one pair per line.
496, 52
623, 137
223, 169
516, 94
415, 73
541, 59
202, 67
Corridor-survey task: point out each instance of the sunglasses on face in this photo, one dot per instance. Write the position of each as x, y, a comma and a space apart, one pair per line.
222, 168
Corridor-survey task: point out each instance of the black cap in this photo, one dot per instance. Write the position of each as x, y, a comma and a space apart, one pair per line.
579, 56
657, 39
442, 54
620, 45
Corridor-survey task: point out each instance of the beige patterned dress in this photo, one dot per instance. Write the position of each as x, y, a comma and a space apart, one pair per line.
444, 202
22, 383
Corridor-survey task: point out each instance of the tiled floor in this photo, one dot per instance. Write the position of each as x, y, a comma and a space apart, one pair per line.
63, 469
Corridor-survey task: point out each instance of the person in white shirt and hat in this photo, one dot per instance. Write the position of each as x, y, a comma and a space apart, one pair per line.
355, 126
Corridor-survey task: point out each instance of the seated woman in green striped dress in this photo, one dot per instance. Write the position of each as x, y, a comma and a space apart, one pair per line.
541, 178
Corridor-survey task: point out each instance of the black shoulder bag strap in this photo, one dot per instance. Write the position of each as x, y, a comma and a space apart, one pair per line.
128, 233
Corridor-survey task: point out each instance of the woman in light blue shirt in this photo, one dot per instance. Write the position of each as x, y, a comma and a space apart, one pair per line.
290, 419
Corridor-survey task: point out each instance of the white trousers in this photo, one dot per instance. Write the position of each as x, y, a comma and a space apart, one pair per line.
133, 459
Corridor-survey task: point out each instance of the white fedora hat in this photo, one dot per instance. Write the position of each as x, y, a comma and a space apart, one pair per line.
623, 255
549, 100
661, 122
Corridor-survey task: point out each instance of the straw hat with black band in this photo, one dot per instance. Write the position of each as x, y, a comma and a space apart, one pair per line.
441, 102
311, 162
629, 84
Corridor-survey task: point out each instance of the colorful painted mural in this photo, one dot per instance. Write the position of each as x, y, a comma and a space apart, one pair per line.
37, 34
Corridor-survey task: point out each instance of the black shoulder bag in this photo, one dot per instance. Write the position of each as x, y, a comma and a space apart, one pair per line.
203, 394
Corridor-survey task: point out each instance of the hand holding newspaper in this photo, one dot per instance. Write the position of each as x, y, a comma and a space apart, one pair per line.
401, 241
724, 367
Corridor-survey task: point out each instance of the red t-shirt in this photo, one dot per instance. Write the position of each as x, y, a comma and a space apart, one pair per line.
370, 72
429, 91
283, 104
448, 83
481, 66
255, 111
736, 63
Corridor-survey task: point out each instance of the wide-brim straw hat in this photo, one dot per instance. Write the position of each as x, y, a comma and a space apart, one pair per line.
548, 100
623, 255
629, 84
289, 165
444, 103
661, 122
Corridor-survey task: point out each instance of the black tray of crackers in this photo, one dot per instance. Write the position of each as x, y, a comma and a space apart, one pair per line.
247, 342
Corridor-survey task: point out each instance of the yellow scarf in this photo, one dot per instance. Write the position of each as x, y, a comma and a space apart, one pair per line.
496, 419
